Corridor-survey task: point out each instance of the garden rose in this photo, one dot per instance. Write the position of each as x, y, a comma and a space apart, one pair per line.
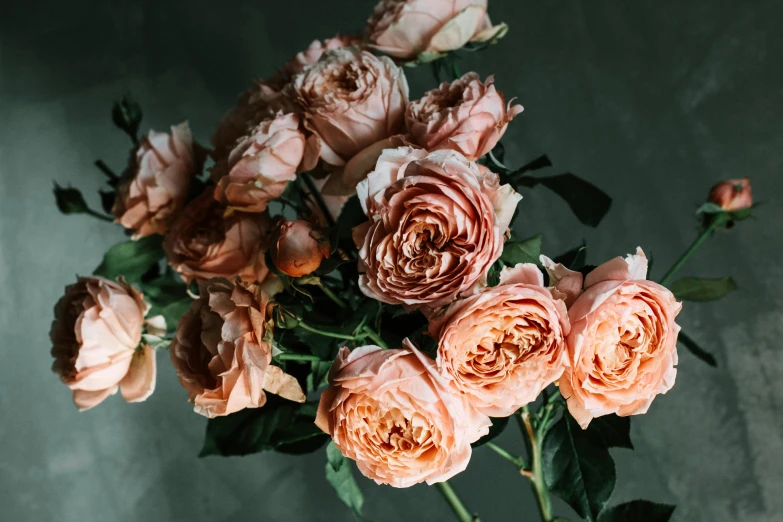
351, 99
95, 337
205, 241
466, 115
437, 223
312, 54
221, 352
732, 194
157, 188
261, 165
406, 28
392, 413
502, 347
297, 247
623, 342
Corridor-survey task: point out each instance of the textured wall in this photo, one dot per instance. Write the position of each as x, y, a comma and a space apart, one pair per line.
653, 101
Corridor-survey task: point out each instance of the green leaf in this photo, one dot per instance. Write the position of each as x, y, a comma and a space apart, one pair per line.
575, 258
498, 425
614, 430
351, 216
339, 475
527, 251
693, 347
319, 372
69, 200
638, 511
131, 259
710, 208
155, 342
578, 467
702, 288
589, 203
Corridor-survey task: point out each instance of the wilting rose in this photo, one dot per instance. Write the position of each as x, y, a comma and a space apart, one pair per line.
466, 115
221, 351
392, 413
623, 342
205, 241
151, 195
406, 28
95, 337
297, 247
732, 194
312, 54
437, 223
351, 100
503, 346
261, 165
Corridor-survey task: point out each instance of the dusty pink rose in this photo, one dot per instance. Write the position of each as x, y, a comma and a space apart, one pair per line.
312, 54
437, 223
221, 351
261, 165
298, 247
623, 342
406, 28
392, 413
351, 99
206, 241
732, 194
95, 337
504, 345
466, 115
156, 189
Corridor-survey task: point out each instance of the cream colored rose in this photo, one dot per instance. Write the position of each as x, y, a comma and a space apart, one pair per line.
95, 337
351, 99
623, 342
391, 412
436, 224
502, 347
206, 241
466, 115
221, 352
156, 189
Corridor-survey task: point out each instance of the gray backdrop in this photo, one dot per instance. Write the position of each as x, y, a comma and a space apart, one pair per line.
653, 101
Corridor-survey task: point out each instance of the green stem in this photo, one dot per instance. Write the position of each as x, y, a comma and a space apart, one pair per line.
455, 502
372, 334
435, 64
334, 297
318, 198
537, 473
325, 333
297, 357
516, 461
98, 215
718, 220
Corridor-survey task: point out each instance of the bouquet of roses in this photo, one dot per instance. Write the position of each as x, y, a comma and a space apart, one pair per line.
349, 272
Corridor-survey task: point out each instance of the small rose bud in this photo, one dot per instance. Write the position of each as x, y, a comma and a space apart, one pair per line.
298, 247
732, 195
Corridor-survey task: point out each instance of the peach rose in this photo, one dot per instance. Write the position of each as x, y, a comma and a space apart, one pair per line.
221, 351
502, 347
465, 115
157, 189
392, 413
205, 241
732, 195
351, 100
261, 165
96, 338
297, 247
623, 342
406, 28
437, 223
312, 54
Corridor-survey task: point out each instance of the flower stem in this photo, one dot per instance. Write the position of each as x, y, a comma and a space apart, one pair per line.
98, 215
372, 334
325, 333
718, 220
297, 357
318, 198
331, 295
455, 502
516, 461
537, 478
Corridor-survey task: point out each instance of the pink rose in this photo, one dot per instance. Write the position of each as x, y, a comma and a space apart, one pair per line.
261, 165
96, 338
157, 189
351, 99
406, 28
312, 54
297, 247
206, 241
221, 352
502, 347
392, 413
732, 195
437, 223
466, 115
623, 342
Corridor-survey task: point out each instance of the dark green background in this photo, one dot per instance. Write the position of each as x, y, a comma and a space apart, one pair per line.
653, 101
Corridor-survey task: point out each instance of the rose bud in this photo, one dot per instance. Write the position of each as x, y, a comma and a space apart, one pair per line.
391, 412
95, 337
732, 195
466, 115
221, 353
156, 189
297, 247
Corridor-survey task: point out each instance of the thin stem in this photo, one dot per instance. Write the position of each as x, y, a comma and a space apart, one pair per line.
325, 333
516, 461
98, 215
334, 297
318, 198
106, 170
372, 334
436, 70
718, 220
463, 515
297, 357
454, 67
537, 479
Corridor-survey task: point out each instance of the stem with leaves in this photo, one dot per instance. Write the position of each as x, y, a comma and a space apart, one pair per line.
715, 222
535, 437
456, 504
